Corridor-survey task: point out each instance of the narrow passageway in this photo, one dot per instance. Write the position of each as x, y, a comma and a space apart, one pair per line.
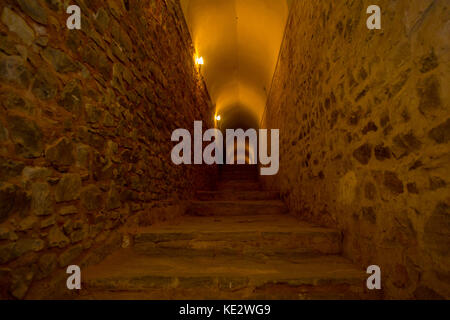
111, 132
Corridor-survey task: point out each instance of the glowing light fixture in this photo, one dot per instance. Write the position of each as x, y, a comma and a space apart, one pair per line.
199, 60
218, 117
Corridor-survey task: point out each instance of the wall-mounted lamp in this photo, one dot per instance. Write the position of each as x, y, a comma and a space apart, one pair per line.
218, 117
199, 61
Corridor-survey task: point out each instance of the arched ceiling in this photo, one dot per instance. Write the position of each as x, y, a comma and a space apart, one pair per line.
239, 41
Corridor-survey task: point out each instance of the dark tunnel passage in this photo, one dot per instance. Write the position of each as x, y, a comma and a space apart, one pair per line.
358, 131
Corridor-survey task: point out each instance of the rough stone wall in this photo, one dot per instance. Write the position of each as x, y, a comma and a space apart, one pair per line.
86, 118
365, 129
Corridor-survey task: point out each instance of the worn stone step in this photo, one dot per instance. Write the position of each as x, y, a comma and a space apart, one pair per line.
269, 292
238, 168
241, 235
238, 177
236, 207
240, 174
237, 195
253, 172
214, 278
241, 185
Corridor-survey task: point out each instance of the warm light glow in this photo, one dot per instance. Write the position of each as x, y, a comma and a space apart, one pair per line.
241, 40
218, 117
199, 61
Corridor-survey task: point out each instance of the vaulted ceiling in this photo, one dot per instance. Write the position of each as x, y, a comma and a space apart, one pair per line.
239, 41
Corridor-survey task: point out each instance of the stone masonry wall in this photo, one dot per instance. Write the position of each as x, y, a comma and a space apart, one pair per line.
365, 130
86, 118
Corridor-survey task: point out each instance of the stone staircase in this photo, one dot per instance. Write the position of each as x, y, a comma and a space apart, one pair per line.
237, 242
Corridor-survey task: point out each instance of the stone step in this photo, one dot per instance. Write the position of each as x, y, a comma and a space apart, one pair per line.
253, 174
241, 185
239, 235
237, 195
238, 168
238, 176
222, 277
283, 292
236, 208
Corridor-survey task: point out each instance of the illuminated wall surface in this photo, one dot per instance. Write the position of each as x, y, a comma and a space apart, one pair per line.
87, 176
